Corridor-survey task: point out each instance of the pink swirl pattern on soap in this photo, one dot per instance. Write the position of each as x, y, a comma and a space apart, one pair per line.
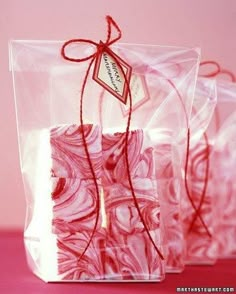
130, 257
74, 214
69, 159
129, 254
114, 164
114, 252
201, 249
146, 165
122, 213
74, 204
70, 246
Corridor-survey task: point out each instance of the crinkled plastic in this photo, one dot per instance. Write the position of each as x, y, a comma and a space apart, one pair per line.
223, 170
199, 203
79, 229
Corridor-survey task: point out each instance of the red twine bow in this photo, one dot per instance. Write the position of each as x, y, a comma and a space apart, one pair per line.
101, 48
217, 70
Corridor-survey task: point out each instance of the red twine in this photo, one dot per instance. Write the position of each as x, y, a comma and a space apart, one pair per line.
101, 47
188, 136
206, 154
186, 164
217, 71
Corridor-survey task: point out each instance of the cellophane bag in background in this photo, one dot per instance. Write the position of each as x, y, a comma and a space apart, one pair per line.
66, 208
170, 156
223, 170
199, 203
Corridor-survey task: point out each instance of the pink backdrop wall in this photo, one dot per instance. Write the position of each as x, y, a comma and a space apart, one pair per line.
210, 24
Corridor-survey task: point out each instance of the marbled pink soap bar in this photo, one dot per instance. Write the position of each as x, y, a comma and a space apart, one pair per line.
69, 159
75, 213
76, 202
75, 205
133, 258
122, 213
140, 156
130, 254
73, 267
201, 247
120, 248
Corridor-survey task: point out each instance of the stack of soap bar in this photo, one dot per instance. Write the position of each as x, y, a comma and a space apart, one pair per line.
75, 199
69, 159
130, 254
200, 240
120, 248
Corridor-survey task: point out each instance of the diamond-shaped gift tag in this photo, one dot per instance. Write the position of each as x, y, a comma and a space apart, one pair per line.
108, 73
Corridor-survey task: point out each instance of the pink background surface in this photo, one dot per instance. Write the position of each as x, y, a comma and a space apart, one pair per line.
222, 274
209, 24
